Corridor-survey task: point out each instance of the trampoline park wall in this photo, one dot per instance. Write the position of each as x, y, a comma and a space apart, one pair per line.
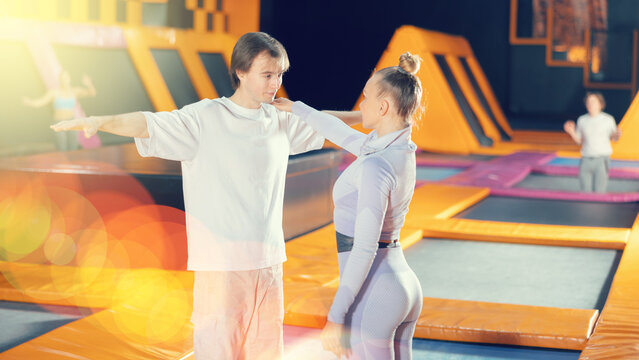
134, 63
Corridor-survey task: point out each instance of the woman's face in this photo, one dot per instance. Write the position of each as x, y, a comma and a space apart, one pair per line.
593, 105
370, 105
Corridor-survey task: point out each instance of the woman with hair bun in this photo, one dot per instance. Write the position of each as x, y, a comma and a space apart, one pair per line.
379, 298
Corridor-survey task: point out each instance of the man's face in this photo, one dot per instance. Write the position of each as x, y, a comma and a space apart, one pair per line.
263, 79
593, 105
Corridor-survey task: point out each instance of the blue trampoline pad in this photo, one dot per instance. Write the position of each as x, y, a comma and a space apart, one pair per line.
436, 173
553, 212
537, 275
424, 349
571, 183
21, 322
575, 162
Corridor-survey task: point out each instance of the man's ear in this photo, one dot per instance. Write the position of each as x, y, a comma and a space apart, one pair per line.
240, 74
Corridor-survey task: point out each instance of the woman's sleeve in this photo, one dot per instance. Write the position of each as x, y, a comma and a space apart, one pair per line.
330, 127
376, 183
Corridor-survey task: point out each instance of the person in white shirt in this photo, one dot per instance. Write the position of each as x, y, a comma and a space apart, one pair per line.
234, 153
593, 132
379, 298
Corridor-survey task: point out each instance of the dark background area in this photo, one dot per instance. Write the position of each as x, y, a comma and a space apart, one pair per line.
335, 45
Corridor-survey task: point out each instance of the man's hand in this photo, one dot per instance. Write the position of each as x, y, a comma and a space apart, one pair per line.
569, 127
88, 125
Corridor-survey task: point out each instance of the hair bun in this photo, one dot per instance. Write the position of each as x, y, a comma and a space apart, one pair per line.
409, 63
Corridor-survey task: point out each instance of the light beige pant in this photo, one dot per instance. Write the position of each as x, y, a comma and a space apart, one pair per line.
238, 314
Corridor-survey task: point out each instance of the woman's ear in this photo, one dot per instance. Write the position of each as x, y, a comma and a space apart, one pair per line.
384, 106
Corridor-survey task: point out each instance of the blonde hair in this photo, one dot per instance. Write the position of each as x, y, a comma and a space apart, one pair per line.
402, 85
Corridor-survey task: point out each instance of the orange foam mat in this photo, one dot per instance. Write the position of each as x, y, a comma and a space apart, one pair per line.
111, 334
434, 205
524, 325
82, 287
616, 335
146, 311
506, 148
626, 148
542, 137
538, 234
438, 201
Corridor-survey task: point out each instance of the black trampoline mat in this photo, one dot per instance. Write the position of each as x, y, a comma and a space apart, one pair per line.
22, 322
571, 183
553, 212
525, 274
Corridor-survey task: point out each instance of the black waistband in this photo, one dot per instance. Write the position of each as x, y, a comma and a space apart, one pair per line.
345, 243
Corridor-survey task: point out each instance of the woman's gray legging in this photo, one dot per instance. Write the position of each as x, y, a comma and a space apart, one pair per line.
383, 317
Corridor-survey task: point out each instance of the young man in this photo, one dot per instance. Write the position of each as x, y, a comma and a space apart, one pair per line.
234, 153
593, 132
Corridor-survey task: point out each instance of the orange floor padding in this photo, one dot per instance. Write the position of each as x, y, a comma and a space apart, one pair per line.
434, 205
616, 335
486, 322
134, 299
129, 314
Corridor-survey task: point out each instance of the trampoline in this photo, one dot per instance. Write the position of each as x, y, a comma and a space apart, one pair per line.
553, 212
432, 173
571, 183
575, 162
537, 275
22, 322
424, 156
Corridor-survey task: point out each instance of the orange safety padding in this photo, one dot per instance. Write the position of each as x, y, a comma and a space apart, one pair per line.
542, 137
442, 126
538, 234
469, 92
507, 148
148, 70
523, 325
152, 322
312, 258
89, 287
434, 205
438, 201
626, 148
616, 335
487, 90
243, 16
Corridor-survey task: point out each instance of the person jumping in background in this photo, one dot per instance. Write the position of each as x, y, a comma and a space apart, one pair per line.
593, 132
64, 98
234, 154
379, 298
